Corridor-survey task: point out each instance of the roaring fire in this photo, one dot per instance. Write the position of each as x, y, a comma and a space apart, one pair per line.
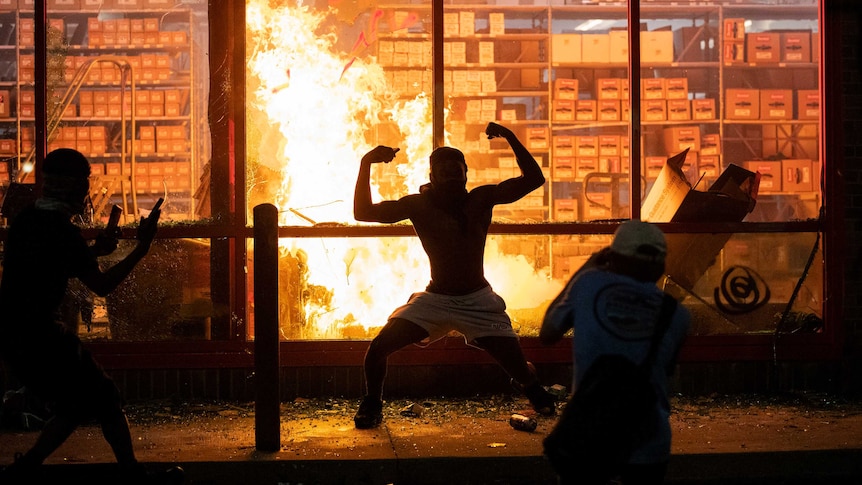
315, 103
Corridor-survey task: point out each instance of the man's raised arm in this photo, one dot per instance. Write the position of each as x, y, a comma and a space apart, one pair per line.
531, 173
363, 207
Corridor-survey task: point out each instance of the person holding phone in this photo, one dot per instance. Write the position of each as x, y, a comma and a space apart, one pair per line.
452, 224
43, 252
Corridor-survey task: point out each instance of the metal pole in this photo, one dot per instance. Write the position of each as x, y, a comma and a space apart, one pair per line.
634, 21
438, 95
267, 427
40, 17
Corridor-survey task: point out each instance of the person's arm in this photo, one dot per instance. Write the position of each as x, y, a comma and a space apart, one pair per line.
531, 177
363, 207
104, 282
558, 319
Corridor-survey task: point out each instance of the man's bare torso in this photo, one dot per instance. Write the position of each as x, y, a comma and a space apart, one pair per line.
454, 239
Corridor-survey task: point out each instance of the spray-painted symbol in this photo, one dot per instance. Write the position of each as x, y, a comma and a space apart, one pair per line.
742, 290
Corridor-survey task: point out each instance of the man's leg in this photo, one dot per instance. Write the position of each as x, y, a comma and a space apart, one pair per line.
507, 352
397, 334
56, 431
115, 429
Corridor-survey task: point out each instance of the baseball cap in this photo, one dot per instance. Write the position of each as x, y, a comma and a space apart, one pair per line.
641, 240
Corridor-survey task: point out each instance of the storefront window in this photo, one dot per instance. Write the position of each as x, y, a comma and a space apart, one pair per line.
728, 111
127, 87
727, 131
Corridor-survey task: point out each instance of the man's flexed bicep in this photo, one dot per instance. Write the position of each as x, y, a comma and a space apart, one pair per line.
531, 173
364, 209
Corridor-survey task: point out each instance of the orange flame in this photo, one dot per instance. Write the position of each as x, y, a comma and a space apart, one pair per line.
315, 104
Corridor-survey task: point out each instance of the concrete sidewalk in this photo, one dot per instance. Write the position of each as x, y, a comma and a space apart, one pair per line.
458, 441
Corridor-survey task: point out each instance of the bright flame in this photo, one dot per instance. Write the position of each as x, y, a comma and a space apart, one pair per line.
316, 103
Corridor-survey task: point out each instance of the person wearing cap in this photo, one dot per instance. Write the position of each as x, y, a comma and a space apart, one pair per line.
612, 305
44, 250
452, 224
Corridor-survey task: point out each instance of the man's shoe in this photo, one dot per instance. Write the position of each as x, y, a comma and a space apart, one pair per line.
370, 413
543, 401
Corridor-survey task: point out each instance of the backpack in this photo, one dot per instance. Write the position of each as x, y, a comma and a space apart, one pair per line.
609, 414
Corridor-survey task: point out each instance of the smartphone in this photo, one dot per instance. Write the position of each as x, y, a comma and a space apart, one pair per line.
158, 204
114, 218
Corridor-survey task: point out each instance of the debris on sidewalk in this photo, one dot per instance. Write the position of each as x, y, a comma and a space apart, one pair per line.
413, 410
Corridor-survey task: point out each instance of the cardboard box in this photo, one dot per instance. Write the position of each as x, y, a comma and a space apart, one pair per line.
598, 206
657, 46
703, 109
586, 109
8, 146
609, 146
742, 104
565, 88
676, 88
564, 168
796, 46
5, 103
595, 48
566, 210
710, 144
618, 46
587, 146
654, 110
763, 48
807, 104
537, 138
586, 166
564, 109
608, 110
98, 133
796, 176
680, 138
497, 24
608, 88
64, 4
734, 29
776, 104
566, 48
564, 146
678, 110
770, 174
653, 88
466, 23
653, 166
671, 199
609, 164
733, 52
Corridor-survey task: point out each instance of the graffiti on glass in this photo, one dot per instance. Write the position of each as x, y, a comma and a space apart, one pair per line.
742, 290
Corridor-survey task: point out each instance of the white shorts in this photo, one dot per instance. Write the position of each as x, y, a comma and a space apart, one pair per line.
478, 314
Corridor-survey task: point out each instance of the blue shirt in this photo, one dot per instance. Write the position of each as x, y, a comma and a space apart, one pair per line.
616, 314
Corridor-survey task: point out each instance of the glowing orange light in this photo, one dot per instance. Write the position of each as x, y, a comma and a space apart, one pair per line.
315, 106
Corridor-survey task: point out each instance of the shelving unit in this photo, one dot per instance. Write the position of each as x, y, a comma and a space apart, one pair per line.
507, 63
121, 84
